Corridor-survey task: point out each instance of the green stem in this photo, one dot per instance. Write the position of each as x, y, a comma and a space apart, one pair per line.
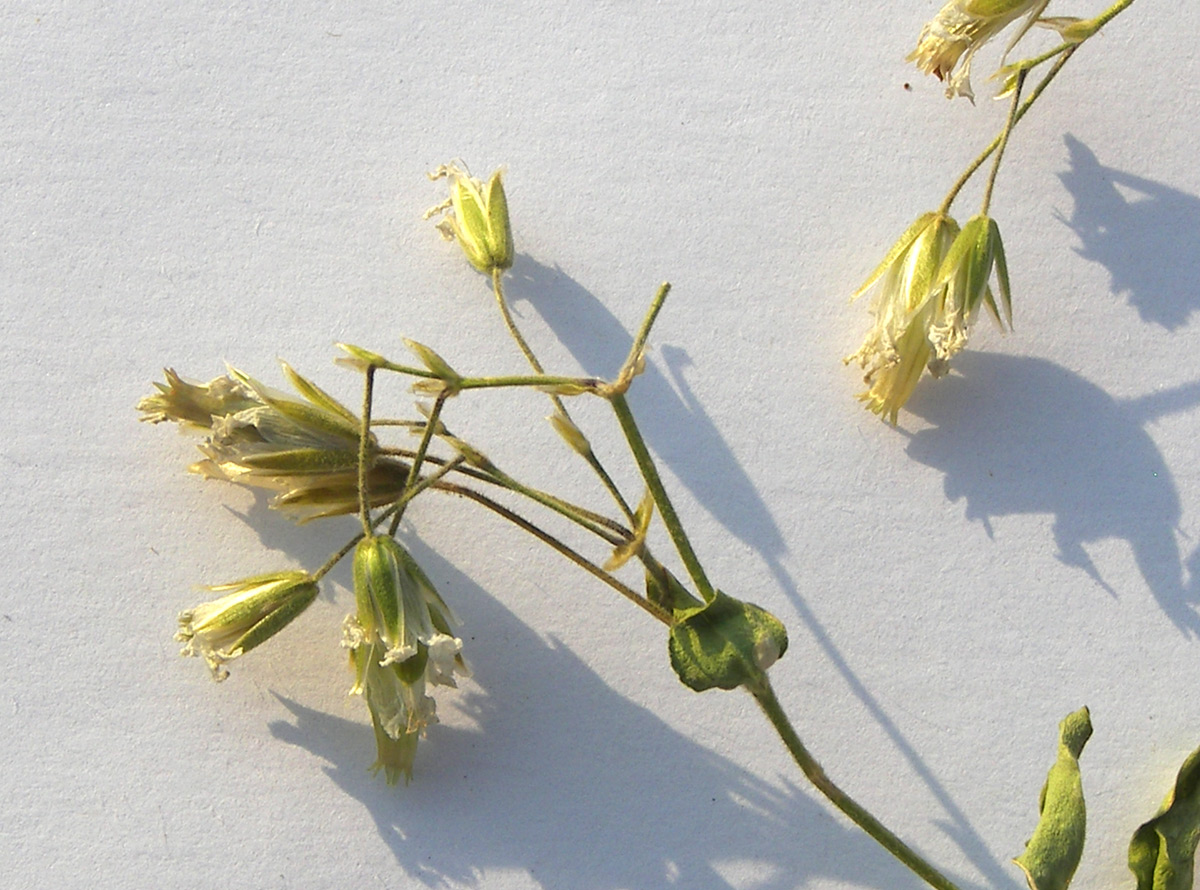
414, 469
1012, 119
364, 443
1064, 53
641, 454
586, 384
995, 143
765, 696
590, 456
1109, 14
575, 557
639, 341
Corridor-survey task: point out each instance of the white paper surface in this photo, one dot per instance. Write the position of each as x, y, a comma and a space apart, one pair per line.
236, 182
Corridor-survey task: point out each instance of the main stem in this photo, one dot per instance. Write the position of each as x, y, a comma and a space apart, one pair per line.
641, 454
765, 696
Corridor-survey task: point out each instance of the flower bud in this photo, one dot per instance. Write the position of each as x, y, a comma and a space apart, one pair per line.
254, 611
479, 221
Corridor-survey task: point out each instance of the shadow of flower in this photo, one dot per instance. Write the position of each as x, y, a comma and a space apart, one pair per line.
1041, 439
671, 418
1145, 233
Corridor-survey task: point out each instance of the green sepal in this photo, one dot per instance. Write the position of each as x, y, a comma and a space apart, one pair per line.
377, 588
278, 619
318, 396
301, 461
904, 243
724, 643
1162, 854
304, 415
499, 230
1001, 272
1053, 853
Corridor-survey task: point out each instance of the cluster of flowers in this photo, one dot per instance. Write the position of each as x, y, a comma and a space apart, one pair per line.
936, 277
401, 637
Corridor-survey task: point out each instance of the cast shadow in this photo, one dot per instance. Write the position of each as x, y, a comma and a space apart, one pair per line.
1016, 435
673, 421
1146, 234
594, 792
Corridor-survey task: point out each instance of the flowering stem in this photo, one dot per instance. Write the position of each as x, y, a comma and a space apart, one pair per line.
587, 384
364, 442
587, 565
1008, 125
590, 456
414, 469
995, 143
641, 454
639, 342
765, 696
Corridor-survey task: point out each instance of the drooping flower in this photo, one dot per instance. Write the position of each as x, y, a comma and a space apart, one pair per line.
950, 40
479, 218
930, 288
401, 642
254, 610
897, 349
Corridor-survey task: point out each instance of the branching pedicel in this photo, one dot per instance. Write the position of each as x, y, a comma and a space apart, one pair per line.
322, 459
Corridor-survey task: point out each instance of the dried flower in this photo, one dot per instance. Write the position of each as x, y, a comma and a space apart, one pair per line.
254, 611
479, 220
307, 449
401, 641
897, 349
949, 42
931, 285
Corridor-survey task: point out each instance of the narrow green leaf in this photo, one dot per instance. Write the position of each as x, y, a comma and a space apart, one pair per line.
1162, 854
724, 643
1052, 854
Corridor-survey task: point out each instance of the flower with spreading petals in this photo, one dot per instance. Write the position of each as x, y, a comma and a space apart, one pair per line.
950, 40
254, 610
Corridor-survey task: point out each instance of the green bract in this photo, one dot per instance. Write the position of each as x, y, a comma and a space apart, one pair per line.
725, 643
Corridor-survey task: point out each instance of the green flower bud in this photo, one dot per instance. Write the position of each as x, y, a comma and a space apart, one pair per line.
480, 218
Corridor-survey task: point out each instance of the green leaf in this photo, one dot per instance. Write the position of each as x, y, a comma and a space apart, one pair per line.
724, 643
1052, 854
1162, 854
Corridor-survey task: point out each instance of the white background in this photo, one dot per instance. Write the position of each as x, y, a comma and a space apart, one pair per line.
236, 182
